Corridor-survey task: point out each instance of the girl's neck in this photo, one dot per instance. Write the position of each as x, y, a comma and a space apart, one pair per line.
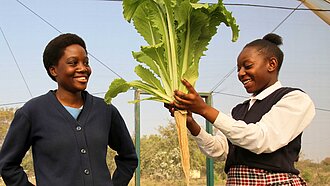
70, 99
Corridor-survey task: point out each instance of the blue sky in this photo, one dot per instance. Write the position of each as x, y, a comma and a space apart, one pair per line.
111, 39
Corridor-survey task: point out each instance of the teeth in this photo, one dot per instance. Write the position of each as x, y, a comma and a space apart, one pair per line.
82, 78
246, 81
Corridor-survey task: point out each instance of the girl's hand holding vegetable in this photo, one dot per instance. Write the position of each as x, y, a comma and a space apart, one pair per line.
192, 125
193, 102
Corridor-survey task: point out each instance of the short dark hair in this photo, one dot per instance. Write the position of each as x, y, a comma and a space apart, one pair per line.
269, 45
55, 49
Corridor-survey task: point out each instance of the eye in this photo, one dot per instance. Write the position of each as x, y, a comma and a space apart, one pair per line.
248, 66
238, 68
86, 62
72, 62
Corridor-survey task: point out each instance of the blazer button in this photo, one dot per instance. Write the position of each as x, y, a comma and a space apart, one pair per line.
83, 151
78, 128
86, 171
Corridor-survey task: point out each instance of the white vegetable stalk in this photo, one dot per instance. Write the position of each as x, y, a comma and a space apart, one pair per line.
180, 119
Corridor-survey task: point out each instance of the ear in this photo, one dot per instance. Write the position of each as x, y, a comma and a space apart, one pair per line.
52, 71
272, 64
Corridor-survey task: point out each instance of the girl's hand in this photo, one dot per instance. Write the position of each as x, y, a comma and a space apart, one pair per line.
193, 127
170, 107
192, 101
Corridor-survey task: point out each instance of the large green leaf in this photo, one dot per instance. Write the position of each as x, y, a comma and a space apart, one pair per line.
117, 86
145, 59
151, 90
147, 76
143, 22
156, 53
177, 33
190, 23
130, 7
191, 75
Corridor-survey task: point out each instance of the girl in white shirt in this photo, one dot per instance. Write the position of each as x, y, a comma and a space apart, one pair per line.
261, 152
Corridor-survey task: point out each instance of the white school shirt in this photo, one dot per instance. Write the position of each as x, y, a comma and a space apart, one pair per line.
284, 122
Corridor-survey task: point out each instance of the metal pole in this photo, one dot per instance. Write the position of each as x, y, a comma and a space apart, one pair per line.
209, 161
209, 129
137, 135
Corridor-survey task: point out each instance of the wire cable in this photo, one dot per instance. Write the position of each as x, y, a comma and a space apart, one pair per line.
262, 6
228, 74
44, 20
276, 7
223, 79
246, 97
286, 17
48, 23
232, 95
11, 104
106, 66
17, 65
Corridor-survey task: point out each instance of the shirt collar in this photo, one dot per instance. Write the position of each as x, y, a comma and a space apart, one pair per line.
267, 91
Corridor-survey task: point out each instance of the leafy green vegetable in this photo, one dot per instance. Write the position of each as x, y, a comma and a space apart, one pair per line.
178, 32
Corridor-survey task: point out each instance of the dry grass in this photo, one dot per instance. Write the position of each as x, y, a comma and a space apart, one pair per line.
148, 182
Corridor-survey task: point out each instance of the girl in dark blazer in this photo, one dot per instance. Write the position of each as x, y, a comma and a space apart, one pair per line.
68, 129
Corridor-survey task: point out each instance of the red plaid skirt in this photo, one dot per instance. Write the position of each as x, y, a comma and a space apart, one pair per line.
243, 175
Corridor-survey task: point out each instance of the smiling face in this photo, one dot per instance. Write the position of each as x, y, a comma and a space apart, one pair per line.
72, 71
255, 71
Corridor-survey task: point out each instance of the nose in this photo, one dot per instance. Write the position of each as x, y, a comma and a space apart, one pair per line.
241, 72
81, 67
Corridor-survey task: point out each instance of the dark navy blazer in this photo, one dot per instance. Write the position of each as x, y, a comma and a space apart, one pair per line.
66, 151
